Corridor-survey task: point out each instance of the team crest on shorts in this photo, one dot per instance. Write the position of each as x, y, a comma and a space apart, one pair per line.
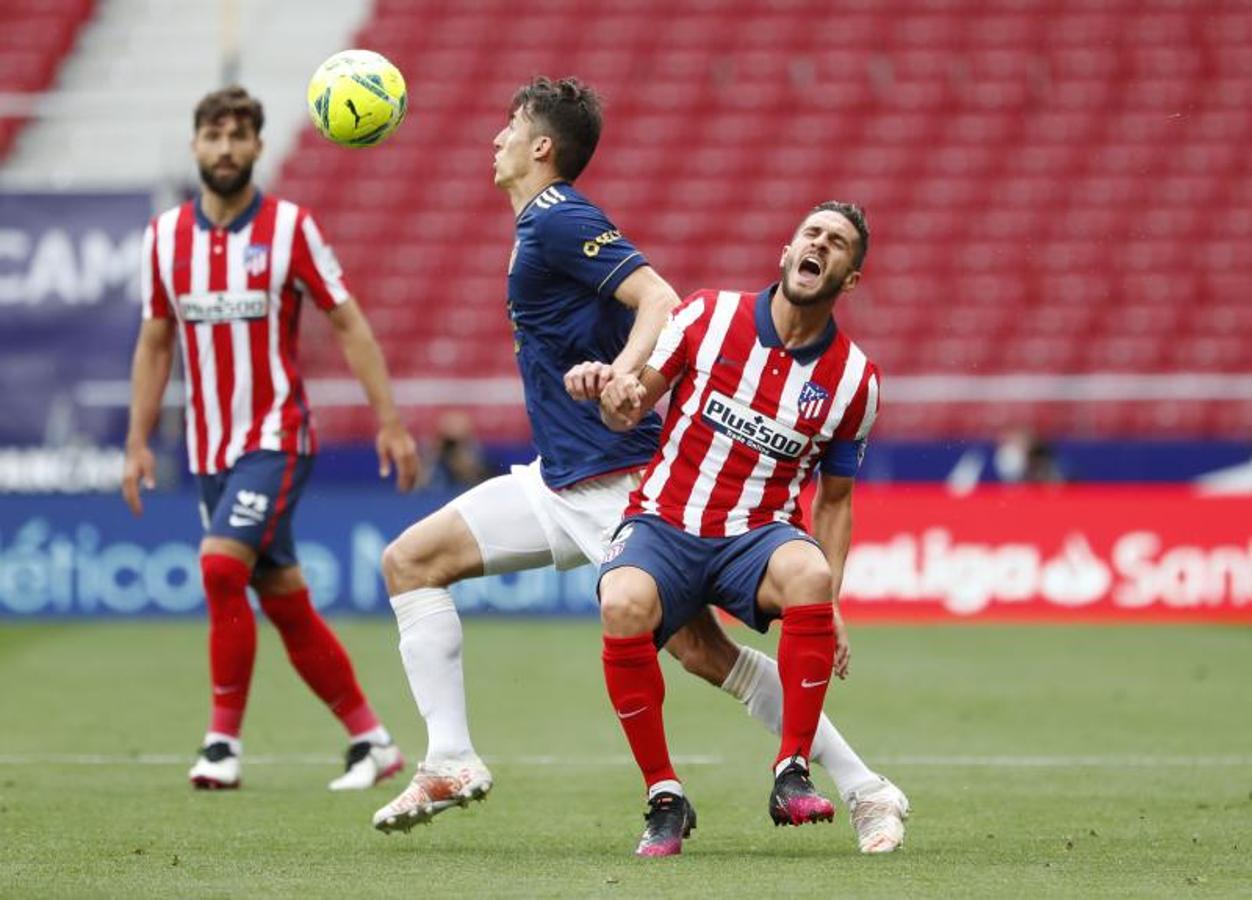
256, 259
618, 545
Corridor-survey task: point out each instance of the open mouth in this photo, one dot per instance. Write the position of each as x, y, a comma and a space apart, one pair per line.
809, 270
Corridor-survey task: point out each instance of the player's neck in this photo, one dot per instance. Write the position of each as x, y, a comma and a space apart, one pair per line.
798, 326
221, 211
524, 190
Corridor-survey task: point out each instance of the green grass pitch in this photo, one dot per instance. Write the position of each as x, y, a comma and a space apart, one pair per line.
1041, 761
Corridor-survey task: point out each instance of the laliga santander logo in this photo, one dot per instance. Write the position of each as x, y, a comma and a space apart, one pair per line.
1141, 571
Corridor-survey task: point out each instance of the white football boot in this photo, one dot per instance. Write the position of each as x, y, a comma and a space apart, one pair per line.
367, 764
217, 768
435, 787
878, 812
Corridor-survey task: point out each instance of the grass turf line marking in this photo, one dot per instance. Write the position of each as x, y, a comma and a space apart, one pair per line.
1115, 761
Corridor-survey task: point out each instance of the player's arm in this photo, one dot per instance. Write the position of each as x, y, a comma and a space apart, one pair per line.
832, 526
628, 398
149, 373
652, 299
365, 359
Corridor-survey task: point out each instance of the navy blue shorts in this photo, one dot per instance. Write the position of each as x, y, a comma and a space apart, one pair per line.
254, 501
692, 572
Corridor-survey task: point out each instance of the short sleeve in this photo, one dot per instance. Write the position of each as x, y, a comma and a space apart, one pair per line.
846, 450
670, 356
579, 241
314, 266
152, 293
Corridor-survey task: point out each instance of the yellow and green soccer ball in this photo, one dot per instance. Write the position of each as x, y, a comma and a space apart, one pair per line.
357, 98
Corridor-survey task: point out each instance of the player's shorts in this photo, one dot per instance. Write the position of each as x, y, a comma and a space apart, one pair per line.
521, 523
254, 502
691, 571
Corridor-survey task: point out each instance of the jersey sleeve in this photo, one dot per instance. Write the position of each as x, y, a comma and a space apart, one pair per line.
314, 266
581, 242
152, 293
670, 356
846, 450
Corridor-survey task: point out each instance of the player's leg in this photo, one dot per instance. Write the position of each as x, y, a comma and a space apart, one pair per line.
641, 559
489, 529
225, 567
797, 585
322, 662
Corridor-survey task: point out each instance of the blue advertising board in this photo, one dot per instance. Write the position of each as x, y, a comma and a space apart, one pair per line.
87, 556
69, 309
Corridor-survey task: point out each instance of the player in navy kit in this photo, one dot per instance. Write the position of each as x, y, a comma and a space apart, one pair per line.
577, 290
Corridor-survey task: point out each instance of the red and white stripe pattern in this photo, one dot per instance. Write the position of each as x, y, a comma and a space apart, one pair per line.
736, 449
236, 295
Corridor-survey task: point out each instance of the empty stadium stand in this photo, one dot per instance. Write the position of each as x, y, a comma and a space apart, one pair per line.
34, 37
1054, 186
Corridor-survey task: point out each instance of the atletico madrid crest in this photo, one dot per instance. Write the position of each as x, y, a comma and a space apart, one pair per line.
812, 401
256, 259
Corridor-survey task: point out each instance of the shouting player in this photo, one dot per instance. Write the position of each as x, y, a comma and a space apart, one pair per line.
226, 273
578, 290
765, 391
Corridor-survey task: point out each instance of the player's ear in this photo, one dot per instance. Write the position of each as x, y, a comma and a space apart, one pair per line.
851, 280
783, 259
541, 147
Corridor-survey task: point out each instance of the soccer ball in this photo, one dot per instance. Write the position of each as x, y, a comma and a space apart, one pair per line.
357, 98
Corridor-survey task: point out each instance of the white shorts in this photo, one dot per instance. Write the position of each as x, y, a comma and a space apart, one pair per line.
521, 523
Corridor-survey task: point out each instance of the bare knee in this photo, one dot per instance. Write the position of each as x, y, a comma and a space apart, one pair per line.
798, 575
704, 649
629, 603
810, 583
436, 552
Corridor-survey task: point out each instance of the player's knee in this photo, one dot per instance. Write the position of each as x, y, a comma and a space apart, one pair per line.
223, 576
626, 610
808, 582
410, 562
704, 651
287, 610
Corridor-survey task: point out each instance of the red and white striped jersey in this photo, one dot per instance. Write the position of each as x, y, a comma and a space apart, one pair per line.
236, 294
750, 419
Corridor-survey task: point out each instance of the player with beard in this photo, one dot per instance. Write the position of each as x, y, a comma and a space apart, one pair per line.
766, 392
226, 274
585, 305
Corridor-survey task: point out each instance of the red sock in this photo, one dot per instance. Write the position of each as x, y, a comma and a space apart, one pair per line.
232, 639
806, 654
637, 692
320, 659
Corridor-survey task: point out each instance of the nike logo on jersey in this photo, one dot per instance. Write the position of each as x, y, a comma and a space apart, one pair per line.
632, 713
805, 683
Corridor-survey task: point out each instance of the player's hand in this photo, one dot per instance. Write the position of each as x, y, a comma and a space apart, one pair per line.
396, 448
139, 470
621, 403
587, 380
843, 652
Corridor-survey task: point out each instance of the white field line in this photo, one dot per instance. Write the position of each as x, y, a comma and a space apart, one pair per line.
1111, 761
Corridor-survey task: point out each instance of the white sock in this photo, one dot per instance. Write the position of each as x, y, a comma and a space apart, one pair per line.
379, 736
430, 646
668, 786
214, 737
754, 681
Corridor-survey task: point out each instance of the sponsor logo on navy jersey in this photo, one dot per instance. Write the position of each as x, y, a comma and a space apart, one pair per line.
752, 429
592, 247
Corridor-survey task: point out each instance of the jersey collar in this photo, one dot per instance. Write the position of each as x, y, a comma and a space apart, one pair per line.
768, 334
531, 202
239, 223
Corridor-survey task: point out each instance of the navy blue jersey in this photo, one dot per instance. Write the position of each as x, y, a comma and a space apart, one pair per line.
567, 264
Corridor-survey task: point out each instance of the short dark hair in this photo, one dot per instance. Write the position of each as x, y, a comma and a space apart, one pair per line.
567, 111
229, 101
853, 214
